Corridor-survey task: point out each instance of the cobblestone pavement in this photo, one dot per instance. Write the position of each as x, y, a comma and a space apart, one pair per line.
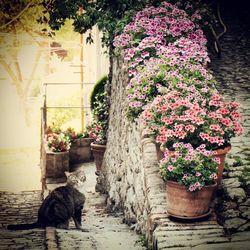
20, 207
104, 231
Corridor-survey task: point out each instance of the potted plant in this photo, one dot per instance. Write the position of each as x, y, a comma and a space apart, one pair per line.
190, 176
57, 155
193, 119
98, 146
80, 146
98, 129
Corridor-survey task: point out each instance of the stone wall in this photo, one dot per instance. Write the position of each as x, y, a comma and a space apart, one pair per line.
130, 171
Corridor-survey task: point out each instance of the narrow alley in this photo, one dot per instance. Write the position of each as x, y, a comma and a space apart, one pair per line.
103, 230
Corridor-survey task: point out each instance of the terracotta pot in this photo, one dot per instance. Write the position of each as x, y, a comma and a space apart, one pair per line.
56, 164
98, 153
182, 203
80, 151
221, 154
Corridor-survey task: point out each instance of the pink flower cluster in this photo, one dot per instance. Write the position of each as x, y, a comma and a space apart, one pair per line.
174, 117
192, 167
162, 75
154, 27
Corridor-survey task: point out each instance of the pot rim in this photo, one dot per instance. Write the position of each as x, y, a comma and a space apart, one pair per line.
222, 151
93, 144
175, 183
216, 151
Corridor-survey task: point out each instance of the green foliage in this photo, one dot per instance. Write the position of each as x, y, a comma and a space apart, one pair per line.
23, 15
99, 105
98, 89
238, 161
142, 241
59, 116
244, 178
107, 15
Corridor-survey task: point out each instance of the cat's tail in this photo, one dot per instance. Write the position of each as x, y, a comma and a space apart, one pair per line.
23, 226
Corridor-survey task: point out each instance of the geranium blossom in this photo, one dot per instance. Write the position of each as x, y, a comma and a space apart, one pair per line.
191, 167
158, 77
158, 26
174, 117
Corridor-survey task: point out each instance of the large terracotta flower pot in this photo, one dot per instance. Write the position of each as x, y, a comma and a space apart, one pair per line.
221, 154
98, 153
182, 203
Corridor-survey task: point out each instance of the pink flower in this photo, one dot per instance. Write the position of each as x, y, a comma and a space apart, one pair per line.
213, 176
192, 188
170, 168
226, 121
145, 54
217, 160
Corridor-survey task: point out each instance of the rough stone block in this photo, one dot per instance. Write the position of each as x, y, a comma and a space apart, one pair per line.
231, 213
231, 183
234, 224
237, 194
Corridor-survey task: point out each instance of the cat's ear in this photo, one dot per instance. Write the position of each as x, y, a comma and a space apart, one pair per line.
67, 173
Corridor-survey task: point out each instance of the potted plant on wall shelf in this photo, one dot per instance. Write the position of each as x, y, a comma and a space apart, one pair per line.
57, 155
190, 176
193, 119
98, 129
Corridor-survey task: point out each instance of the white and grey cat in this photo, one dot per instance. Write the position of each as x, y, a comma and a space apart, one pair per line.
62, 204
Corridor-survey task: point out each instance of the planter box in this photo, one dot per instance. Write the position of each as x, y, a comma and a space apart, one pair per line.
80, 151
56, 164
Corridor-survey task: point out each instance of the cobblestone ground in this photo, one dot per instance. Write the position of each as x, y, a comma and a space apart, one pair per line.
20, 208
103, 231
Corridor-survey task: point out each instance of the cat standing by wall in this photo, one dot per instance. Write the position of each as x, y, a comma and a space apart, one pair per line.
60, 205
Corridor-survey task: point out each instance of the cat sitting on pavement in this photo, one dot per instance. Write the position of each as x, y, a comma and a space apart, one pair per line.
62, 204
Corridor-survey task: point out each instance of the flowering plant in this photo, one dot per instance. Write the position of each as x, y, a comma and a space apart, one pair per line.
53, 129
157, 26
97, 132
71, 134
193, 118
193, 168
173, 71
58, 142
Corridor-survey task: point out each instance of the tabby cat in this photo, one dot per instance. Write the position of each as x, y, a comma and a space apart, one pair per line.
60, 205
